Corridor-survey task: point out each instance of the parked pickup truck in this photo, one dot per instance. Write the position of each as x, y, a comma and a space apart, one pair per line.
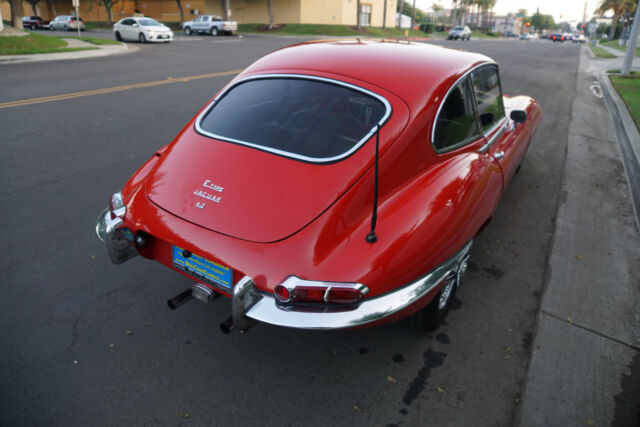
209, 24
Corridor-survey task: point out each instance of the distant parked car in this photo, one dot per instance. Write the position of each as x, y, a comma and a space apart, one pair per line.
66, 23
142, 29
460, 33
524, 36
34, 22
578, 38
209, 24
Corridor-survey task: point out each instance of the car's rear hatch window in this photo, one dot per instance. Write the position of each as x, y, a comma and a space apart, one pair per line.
307, 118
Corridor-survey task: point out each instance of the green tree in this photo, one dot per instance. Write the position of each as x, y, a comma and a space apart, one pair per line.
108, 4
181, 11
541, 22
272, 22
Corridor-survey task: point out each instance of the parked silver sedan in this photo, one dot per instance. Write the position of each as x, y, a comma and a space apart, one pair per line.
142, 29
66, 23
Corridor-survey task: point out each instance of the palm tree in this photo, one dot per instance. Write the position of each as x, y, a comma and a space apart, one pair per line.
618, 7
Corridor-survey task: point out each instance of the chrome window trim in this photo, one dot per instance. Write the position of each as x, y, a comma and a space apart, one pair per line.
482, 133
475, 113
387, 105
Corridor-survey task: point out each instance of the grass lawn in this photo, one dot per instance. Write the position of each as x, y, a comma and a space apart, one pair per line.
35, 43
94, 40
327, 30
481, 35
628, 88
92, 25
617, 71
600, 52
614, 44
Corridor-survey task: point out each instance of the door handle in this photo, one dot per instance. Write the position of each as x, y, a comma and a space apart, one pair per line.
499, 155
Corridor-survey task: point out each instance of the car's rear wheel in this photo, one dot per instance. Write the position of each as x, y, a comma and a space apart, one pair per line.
187, 31
214, 31
141, 38
51, 28
33, 27
433, 315
66, 28
118, 36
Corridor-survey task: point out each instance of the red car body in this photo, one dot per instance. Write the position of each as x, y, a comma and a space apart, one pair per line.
289, 233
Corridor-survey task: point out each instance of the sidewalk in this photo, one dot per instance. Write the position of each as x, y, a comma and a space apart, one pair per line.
585, 365
616, 52
95, 52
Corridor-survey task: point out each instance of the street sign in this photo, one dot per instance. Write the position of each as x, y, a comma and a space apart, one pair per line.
593, 27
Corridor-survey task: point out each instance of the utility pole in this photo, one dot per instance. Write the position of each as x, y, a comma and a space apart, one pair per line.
584, 14
413, 15
631, 44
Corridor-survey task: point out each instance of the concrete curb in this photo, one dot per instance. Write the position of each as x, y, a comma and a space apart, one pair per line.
105, 50
628, 137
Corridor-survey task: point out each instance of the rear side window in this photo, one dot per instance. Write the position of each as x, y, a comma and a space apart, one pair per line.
486, 84
308, 119
456, 123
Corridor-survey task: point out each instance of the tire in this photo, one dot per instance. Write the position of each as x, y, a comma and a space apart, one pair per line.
66, 28
213, 31
51, 28
187, 31
433, 315
118, 36
33, 27
142, 38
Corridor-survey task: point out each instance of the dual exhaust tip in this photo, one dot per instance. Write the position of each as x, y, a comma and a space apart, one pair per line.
201, 293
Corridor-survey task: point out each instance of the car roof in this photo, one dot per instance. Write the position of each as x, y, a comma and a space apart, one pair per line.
398, 66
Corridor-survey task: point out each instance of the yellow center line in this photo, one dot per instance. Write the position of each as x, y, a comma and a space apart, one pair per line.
115, 89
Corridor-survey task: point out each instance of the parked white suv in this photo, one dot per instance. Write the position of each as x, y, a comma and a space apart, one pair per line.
460, 33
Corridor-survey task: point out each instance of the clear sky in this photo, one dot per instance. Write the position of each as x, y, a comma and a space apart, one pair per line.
561, 10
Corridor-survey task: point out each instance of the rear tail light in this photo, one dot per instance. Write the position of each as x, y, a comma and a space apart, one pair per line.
298, 291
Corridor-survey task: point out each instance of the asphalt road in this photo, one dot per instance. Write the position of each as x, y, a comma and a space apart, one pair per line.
65, 355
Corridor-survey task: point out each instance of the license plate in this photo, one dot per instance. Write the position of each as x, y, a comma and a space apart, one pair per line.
201, 268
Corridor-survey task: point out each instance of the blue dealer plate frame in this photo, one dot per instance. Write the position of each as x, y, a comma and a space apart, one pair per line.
201, 268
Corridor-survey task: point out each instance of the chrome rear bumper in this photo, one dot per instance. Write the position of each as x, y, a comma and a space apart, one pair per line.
248, 303
118, 240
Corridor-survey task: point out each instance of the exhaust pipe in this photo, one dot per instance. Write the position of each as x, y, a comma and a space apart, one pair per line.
227, 325
197, 291
180, 299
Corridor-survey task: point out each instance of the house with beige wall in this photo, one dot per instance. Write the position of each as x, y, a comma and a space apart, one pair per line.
333, 12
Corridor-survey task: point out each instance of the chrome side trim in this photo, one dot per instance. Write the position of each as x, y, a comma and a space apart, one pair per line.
286, 153
370, 310
495, 136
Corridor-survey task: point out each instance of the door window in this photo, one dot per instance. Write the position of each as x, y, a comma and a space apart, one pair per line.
456, 124
486, 83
